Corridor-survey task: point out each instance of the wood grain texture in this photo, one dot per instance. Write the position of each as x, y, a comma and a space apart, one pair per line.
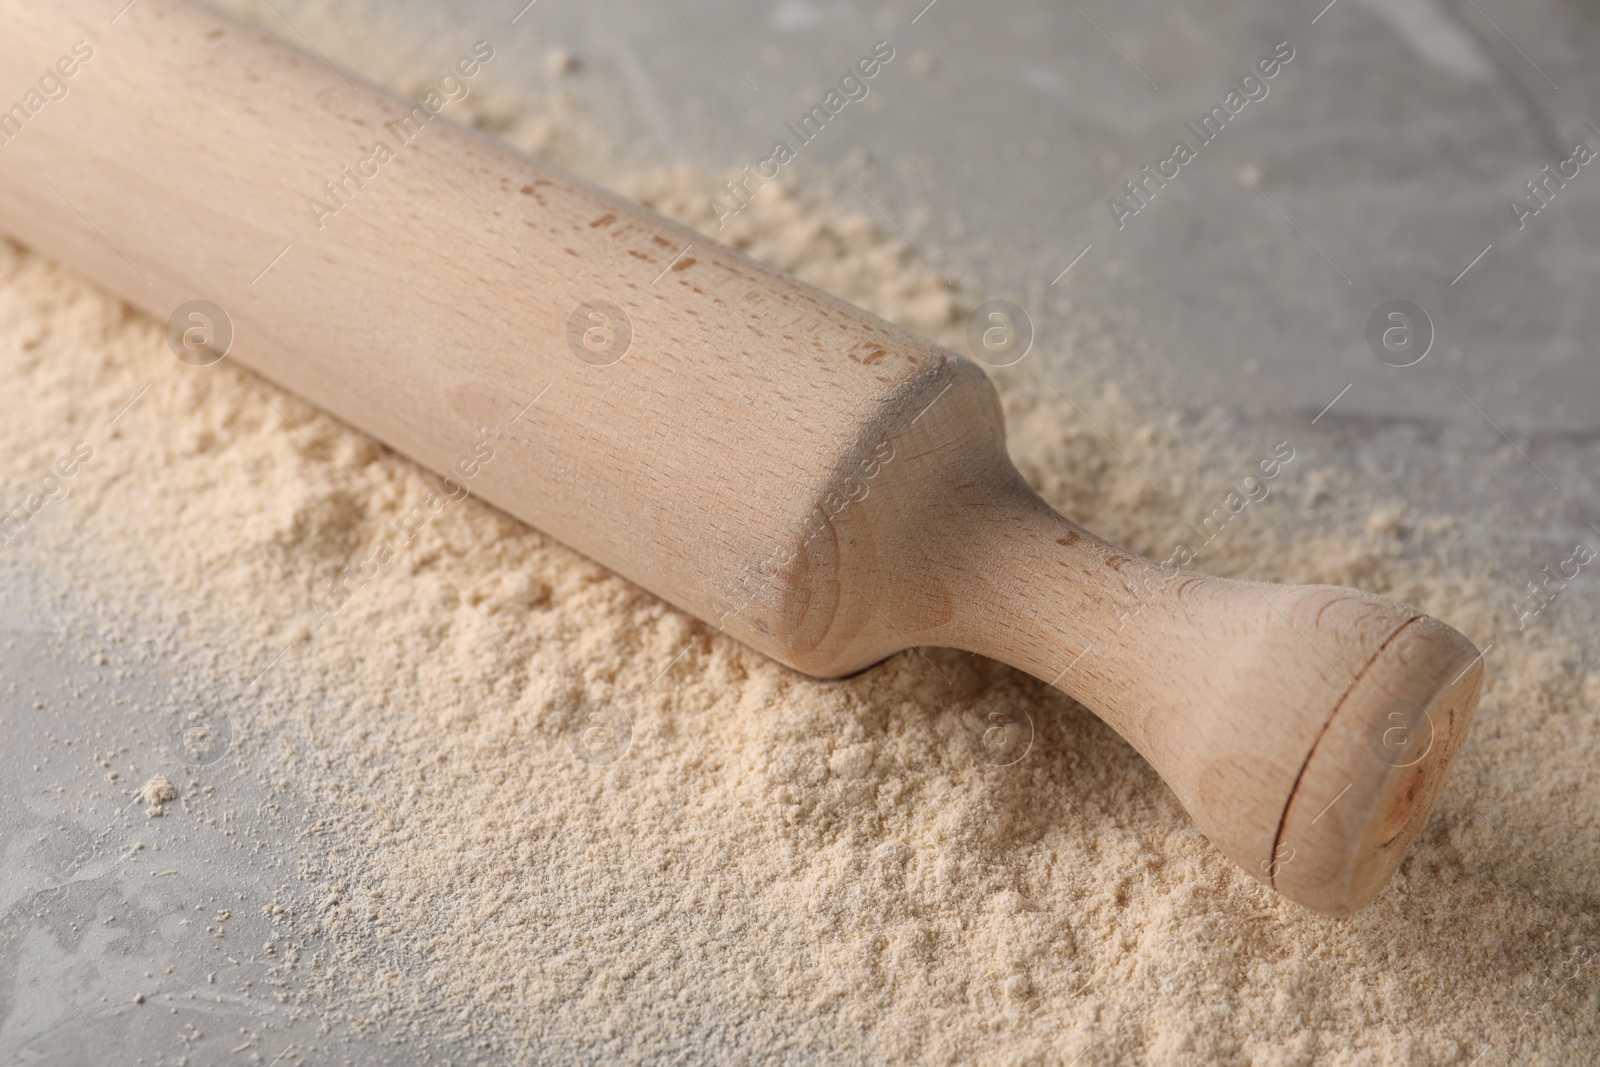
810, 479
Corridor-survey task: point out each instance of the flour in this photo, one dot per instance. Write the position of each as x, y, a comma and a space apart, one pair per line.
773, 866
156, 793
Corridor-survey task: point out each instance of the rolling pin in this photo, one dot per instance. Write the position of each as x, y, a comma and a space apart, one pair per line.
812, 480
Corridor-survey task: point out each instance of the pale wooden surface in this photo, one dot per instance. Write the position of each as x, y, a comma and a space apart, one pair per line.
814, 481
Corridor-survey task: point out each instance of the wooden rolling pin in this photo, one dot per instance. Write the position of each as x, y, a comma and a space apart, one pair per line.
816, 482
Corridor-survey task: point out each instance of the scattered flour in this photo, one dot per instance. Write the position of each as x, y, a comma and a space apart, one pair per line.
775, 866
156, 793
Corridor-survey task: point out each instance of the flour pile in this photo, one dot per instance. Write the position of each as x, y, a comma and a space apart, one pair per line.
772, 866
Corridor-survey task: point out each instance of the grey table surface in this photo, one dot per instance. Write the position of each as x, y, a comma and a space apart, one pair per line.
1378, 167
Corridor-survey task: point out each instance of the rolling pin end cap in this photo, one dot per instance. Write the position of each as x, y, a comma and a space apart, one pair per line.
1373, 776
